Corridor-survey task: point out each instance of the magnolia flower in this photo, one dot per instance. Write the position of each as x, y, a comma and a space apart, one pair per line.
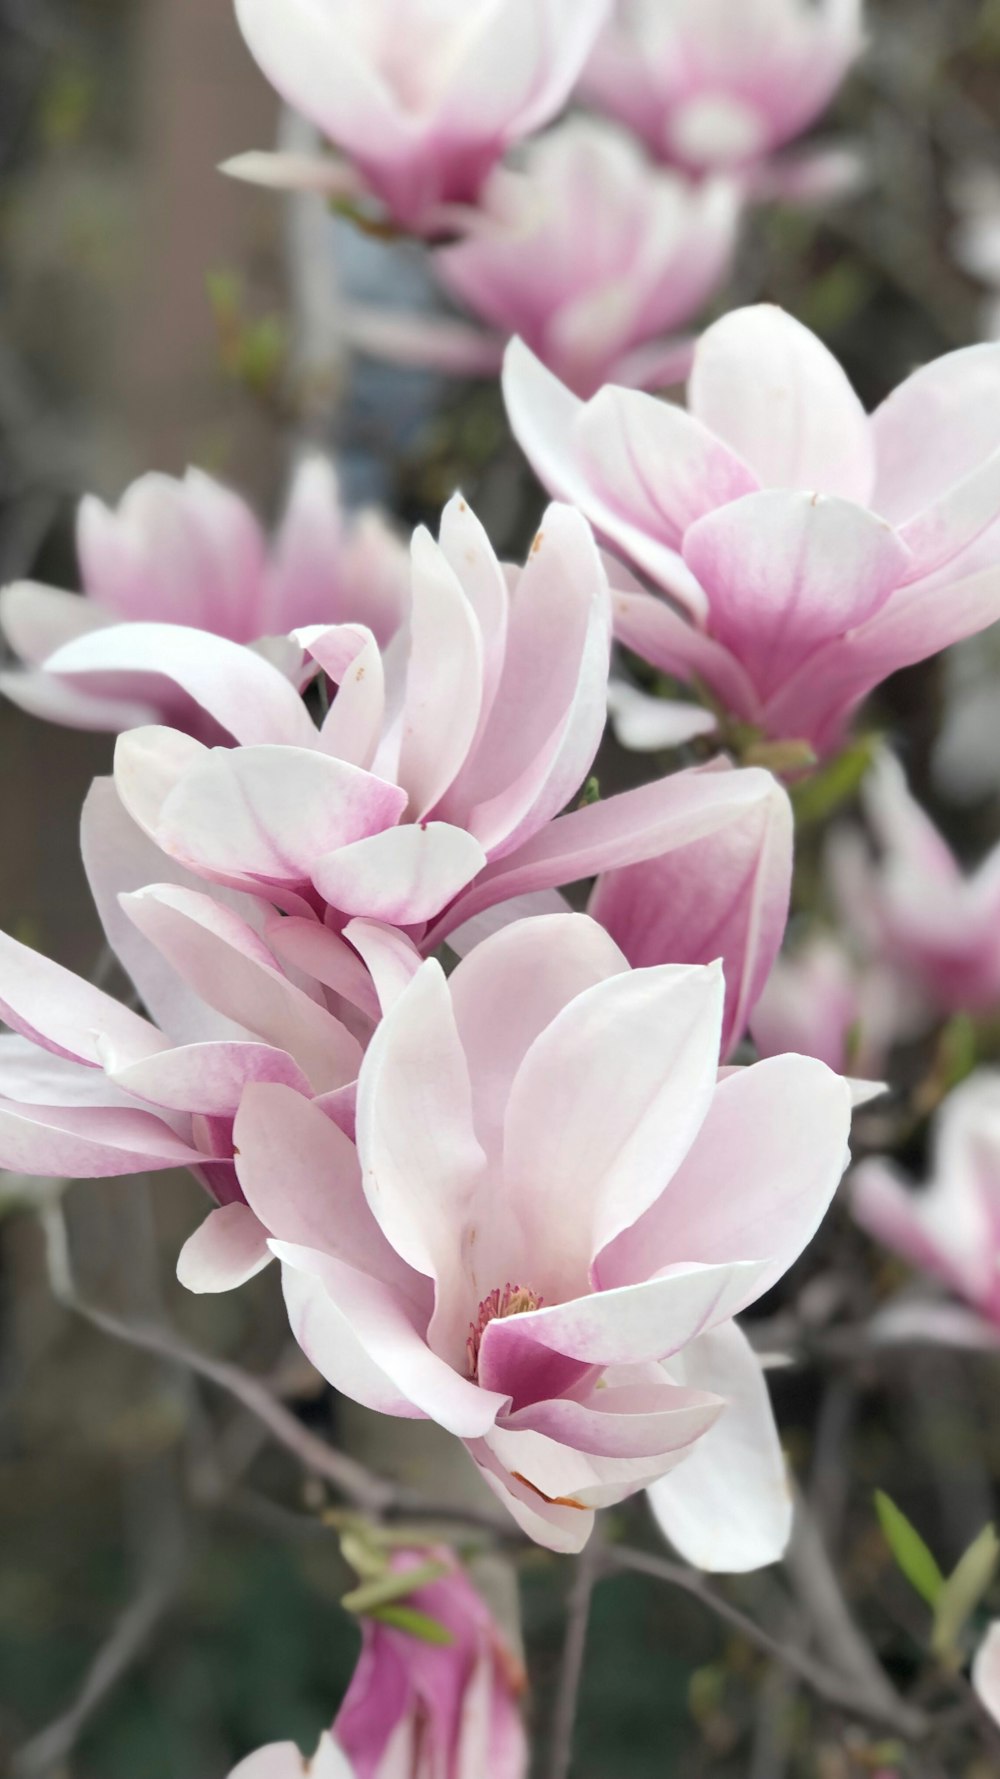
591, 255
821, 1001
536, 1243
708, 89
449, 1709
414, 1708
952, 1228
433, 790
89, 1088
192, 553
808, 551
913, 907
423, 97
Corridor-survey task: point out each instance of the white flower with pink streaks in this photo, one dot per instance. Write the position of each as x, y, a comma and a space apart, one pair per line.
422, 97
807, 550
710, 88
551, 1126
192, 553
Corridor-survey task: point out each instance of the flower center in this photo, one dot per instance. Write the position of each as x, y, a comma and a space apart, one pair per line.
511, 1300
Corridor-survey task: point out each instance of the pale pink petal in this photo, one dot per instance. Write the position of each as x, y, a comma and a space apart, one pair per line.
391, 958
623, 1420
895, 1215
768, 387
64, 1013
784, 573
206, 1078
266, 813
36, 619
788, 1119
986, 1672
318, 952
87, 1142
234, 686
553, 1525
282, 1760
294, 172
317, 67
225, 1251
728, 1507
352, 729
444, 680
214, 949
43, 695
605, 1105
723, 897
657, 633
646, 724
404, 876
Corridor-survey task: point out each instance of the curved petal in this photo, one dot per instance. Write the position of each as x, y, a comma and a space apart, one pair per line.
88, 1142
65, 1014
204, 1078
225, 1251
728, 1507
403, 876
606, 1103
783, 1124
657, 633
768, 387
444, 679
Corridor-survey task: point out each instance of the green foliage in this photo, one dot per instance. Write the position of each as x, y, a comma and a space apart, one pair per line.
962, 1592
910, 1551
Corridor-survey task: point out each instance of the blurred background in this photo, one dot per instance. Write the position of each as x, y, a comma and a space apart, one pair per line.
155, 314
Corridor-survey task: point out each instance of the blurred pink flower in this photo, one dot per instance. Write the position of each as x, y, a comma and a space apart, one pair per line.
951, 1229
807, 550
708, 89
450, 1709
552, 1254
591, 255
913, 907
192, 553
423, 97
819, 1000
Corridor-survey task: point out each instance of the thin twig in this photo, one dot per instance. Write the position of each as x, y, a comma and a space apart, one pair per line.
574, 1648
894, 1714
361, 1486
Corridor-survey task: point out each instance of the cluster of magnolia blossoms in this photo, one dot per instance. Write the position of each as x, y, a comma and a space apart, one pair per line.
597, 241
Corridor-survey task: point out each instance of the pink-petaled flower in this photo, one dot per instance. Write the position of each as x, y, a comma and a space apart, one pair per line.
549, 1124
951, 1229
711, 88
592, 255
820, 1000
432, 791
90, 1088
807, 550
913, 907
191, 553
451, 1710
422, 97
416, 1709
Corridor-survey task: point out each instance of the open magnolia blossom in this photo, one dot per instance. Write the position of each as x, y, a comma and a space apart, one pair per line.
707, 96
807, 550
952, 1228
536, 1242
913, 908
422, 97
192, 553
821, 1000
432, 791
592, 255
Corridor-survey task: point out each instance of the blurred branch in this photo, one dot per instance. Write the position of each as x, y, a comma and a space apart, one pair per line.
574, 1648
362, 1487
888, 1712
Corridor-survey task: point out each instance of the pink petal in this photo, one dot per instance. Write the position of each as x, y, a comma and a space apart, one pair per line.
604, 1106
391, 958
784, 573
226, 1250
87, 1142
444, 680
36, 619
788, 1119
205, 1078
657, 633
65, 1014
723, 897
318, 952
986, 1672
404, 876
768, 387
728, 1507
548, 1523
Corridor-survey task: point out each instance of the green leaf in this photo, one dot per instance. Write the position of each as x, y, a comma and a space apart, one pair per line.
817, 798
417, 1624
395, 1585
591, 793
963, 1591
909, 1550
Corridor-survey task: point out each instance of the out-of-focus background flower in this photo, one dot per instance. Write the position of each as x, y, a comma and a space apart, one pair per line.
155, 314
